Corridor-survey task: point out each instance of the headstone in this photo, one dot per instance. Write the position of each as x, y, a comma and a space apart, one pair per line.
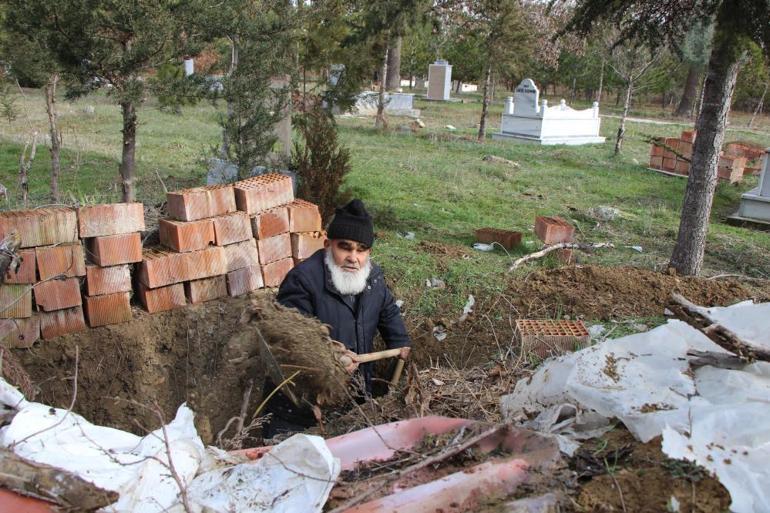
396, 104
439, 80
755, 204
335, 73
189, 67
527, 118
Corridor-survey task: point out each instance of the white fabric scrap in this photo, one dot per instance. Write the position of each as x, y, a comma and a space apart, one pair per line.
749, 321
296, 475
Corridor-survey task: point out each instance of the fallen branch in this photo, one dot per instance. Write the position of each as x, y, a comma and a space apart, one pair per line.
582, 246
690, 313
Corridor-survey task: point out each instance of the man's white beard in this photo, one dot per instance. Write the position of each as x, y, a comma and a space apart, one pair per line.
347, 283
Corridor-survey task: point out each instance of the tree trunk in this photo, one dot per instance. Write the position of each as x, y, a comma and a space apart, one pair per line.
459, 87
50, 108
617, 97
622, 127
485, 104
129, 150
601, 83
230, 109
725, 61
380, 121
690, 92
761, 104
394, 64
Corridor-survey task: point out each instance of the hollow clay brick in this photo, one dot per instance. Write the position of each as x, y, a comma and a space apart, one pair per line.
107, 280
19, 333
303, 216
25, 273
186, 236
274, 273
63, 260
688, 135
201, 202
548, 337
15, 301
552, 230
61, 322
231, 228
656, 150
41, 226
198, 291
506, 238
240, 255
274, 248
682, 167
160, 267
110, 219
162, 298
243, 281
58, 294
108, 309
263, 192
669, 164
656, 162
270, 223
305, 244
115, 249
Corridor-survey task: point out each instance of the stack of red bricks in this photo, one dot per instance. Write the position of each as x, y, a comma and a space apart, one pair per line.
555, 230
672, 155
43, 294
113, 239
751, 152
227, 239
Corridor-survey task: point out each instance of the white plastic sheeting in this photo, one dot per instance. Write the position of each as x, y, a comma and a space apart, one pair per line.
719, 418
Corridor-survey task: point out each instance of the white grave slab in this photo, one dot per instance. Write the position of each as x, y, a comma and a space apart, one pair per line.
439, 80
189, 67
755, 204
529, 119
396, 104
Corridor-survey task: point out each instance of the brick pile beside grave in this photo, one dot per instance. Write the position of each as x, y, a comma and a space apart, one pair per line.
81, 266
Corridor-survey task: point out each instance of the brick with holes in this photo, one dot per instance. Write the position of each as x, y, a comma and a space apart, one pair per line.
201, 202
243, 281
545, 338
110, 219
57, 294
107, 280
20, 333
270, 223
63, 260
206, 289
274, 248
506, 238
553, 230
263, 192
274, 272
162, 298
303, 216
26, 272
231, 228
305, 244
15, 301
108, 309
41, 226
61, 322
184, 236
115, 249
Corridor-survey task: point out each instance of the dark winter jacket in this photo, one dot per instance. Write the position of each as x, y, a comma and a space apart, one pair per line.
308, 288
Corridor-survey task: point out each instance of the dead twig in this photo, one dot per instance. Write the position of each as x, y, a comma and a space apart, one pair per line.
582, 246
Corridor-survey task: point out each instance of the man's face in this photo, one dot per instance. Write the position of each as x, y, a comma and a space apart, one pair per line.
348, 255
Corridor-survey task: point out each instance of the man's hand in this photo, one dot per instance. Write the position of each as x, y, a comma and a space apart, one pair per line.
345, 356
405, 353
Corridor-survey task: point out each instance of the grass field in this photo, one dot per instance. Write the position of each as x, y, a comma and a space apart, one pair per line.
433, 183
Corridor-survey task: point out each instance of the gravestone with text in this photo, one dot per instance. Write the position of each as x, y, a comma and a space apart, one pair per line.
439, 80
527, 118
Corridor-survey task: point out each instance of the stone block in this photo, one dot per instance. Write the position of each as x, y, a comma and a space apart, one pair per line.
553, 230
274, 248
61, 322
108, 309
162, 298
242, 254
303, 216
274, 272
41, 227
26, 272
110, 219
19, 333
263, 192
107, 280
15, 301
506, 238
199, 291
57, 294
115, 249
63, 260
270, 223
231, 228
305, 244
243, 281
184, 236
201, 202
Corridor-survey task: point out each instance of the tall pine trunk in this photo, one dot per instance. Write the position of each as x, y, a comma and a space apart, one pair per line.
690, 92
726, 56
760, 105
380, 122
127, 162
394, 64
622, 127
601, 82
53, 128
485, 103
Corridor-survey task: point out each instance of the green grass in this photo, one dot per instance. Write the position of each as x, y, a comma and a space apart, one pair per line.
433, 183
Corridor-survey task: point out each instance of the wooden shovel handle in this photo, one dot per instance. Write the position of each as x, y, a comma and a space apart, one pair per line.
377, 355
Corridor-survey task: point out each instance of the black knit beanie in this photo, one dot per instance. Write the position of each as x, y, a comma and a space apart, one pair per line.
352, 222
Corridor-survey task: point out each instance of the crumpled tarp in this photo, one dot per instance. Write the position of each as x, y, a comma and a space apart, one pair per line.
717, 417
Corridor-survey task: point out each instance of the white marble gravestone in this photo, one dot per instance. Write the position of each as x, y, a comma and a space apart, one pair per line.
527, 118
335, 73
396, 104
439, 80
755, 204
189, 67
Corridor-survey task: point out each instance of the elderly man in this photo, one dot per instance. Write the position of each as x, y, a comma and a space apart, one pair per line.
341, 287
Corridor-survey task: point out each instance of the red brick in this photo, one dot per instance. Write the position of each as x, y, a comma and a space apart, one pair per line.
672, 142
186, 236
506, 238
731, 168
160, 267
107, 280
198, 291
656, 150
15, 301
682, 167
303, 216
547, 338
64, 260
115, 249
656, 162
25, 273
274, 273
305, 244
274, 248
201, 202
162, 298
108, 309
61, 322
669, 164
552, 230
231, 228
243, 281
270, 223
263, 192
19, 333
58, 294
41, 227
685, 148
242, 254
688, 135
110, 219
